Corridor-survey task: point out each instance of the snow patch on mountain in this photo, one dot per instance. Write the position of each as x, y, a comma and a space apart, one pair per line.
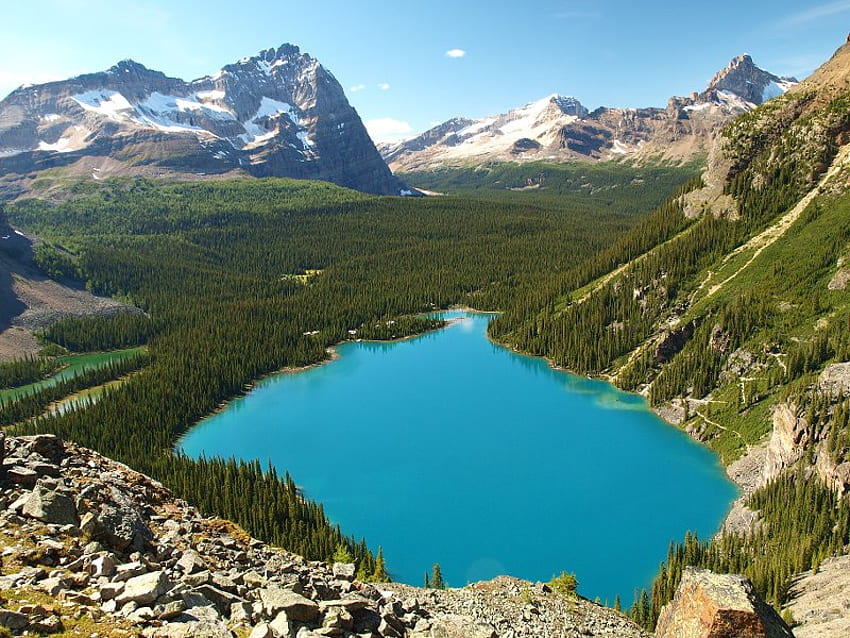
256, 131
63, 145
775, 89
158, 105
110, 104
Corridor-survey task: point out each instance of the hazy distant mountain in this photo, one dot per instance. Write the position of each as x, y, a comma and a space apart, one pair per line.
279, 113
559, 128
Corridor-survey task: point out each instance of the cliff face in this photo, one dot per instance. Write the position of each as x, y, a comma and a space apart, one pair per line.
279, 113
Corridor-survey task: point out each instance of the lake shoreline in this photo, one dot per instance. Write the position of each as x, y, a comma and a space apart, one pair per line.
332, 353
488, 389
744, 490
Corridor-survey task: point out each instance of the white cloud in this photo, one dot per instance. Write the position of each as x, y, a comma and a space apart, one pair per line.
384, 86
357, 87
387, 129
816, 13
455, 53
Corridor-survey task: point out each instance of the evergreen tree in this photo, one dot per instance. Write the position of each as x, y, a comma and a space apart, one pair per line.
437, 581
343, 554
379, 575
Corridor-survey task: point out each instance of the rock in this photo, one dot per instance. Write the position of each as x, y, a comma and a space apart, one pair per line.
198, 578
282, 625
241, 612
351, 602
127, 571
102, 566
194, 601
338, 618
261, 631
192, 629
48, 446
344, 571
108, 591
144, 589
708, 605
190, 562
298, 608
22, 476
835, 379
456, 627
45, 469
122, 523
46, 625
252, 580
221, 599
841, 278
171, 610
13, 620
50, 506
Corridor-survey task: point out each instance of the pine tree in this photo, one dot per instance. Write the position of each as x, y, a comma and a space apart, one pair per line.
380, 574
343, 554
437, 581
427, 580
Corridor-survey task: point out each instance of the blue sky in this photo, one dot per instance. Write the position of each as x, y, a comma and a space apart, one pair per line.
391, 56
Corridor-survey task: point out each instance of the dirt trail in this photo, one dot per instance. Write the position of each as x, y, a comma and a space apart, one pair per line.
770, 235
721, 427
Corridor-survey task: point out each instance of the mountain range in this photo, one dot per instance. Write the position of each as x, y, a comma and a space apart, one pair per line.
278, 113
558, 128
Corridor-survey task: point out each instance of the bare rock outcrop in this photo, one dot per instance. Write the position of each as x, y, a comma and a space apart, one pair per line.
835, 379
787, 443
709, 605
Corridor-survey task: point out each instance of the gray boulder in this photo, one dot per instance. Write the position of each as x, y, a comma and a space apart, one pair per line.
344, 571
122, 523
297, 608
50, 506
144, 589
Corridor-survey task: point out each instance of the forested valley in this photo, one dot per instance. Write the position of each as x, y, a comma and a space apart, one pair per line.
241, 278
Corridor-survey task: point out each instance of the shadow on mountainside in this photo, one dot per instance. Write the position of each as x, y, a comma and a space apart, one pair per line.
14, 249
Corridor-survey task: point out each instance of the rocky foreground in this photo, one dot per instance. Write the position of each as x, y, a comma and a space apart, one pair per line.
92, 548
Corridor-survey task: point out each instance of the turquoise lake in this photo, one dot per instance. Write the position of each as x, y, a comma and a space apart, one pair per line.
448, 448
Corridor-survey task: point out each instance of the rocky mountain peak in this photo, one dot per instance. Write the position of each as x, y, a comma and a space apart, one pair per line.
569, 105
129, 66
278, 113
742, 78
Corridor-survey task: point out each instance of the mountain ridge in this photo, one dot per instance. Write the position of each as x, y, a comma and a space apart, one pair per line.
679, 132
278, 113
